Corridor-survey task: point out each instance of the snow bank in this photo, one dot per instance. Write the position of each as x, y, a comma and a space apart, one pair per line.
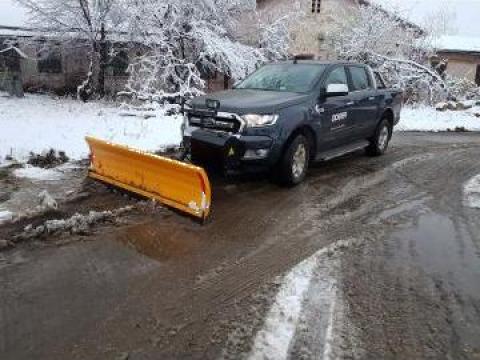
425, 118
39, 122
5, 215
274, 340
77, 224
472, 192
36, 173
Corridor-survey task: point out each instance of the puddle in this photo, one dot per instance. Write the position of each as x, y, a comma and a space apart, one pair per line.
19, 195
444, 249
160, 241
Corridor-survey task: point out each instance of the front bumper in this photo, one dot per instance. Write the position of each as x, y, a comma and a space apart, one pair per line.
231, 152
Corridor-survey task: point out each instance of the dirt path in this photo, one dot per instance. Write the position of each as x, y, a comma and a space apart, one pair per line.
158, 285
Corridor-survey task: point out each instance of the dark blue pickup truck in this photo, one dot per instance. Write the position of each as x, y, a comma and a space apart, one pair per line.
286, 115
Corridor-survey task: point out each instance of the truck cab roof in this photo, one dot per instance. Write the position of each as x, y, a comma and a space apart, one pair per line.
318, 62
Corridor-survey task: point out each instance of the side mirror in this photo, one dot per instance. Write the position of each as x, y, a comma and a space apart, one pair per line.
337, 90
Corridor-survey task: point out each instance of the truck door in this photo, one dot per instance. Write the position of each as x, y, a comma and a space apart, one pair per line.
334, 114
366, 100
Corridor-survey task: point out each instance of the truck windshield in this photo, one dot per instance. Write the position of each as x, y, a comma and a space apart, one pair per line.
284, 77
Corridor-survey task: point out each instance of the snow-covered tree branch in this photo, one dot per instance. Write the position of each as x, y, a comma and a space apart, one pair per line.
400, 51
183, 45
88, 20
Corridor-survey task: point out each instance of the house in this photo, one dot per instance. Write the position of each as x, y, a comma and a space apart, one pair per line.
463, 56
311, 34
61, 67
49, 64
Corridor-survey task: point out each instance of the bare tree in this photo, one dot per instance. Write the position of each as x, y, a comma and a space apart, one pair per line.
399, 50
90, 20
184, 44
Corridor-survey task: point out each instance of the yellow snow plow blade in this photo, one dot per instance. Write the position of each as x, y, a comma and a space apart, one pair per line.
174, 183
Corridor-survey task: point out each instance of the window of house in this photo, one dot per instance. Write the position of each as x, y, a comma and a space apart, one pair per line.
359, 78
50, 61
119, 64
9, 60
316, 6
337, 76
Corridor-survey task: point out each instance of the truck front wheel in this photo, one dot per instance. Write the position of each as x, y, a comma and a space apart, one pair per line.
379, 142
294, 164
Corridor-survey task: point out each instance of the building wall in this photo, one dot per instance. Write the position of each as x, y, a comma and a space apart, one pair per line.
75, 65
311, 35
463, 65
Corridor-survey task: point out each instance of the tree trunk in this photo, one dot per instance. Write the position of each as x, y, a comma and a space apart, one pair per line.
103, 61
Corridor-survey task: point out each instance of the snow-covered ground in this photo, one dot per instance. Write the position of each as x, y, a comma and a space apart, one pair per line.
284, 319
423, 118
40, 122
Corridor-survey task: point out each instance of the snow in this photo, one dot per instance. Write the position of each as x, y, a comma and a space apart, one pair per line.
47, 201
458, 43
273, 341
36, 173
424, 118
17, 50
5, 215
76, 224
472, 192
40, 122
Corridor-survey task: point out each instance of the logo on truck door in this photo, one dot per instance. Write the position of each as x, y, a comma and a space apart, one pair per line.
339, 117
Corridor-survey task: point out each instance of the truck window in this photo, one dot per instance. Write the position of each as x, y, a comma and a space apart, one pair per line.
360, 79
380, 82
337, 76
284, 77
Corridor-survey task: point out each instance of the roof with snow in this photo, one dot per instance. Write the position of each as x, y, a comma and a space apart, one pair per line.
463, 44
17, 31
15, 50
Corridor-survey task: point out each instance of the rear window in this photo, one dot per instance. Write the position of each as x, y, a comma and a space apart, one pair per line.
359, 78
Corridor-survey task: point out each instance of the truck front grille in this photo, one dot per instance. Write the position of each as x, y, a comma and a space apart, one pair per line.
225, 122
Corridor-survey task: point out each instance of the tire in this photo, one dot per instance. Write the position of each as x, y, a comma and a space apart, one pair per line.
295, 160
380, 141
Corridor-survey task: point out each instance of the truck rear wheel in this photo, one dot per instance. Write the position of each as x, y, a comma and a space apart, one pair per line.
379, 143
294, 164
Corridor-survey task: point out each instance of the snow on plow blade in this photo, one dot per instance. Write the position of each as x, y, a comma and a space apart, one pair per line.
174, 183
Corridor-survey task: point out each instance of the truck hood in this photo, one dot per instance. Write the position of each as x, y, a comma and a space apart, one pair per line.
243, 101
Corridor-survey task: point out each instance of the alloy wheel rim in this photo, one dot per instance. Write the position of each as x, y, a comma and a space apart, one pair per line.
383, 138
299, 161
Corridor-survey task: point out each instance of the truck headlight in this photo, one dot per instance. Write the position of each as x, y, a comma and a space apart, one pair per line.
254, 120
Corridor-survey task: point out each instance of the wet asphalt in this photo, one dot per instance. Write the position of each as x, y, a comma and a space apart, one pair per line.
157, 285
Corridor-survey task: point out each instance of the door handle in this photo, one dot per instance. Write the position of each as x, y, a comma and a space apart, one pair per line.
350, 103
371, 98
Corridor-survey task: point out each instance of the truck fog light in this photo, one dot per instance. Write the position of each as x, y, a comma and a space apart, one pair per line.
256, 154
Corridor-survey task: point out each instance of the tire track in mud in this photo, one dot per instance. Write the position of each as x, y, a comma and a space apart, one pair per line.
394, 169
428, 322
326, 214
275, 254
241, 276
186, 301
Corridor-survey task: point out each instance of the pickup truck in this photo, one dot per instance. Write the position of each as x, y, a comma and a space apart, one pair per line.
288, 114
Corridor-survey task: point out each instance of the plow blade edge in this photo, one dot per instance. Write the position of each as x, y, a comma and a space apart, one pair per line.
173, 183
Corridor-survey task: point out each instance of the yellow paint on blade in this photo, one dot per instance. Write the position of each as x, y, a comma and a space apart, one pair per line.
174, 183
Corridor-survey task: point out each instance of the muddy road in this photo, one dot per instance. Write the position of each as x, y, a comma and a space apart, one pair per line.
370, 258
